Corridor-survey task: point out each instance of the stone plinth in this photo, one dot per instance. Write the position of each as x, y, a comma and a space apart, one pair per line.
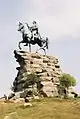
46, 67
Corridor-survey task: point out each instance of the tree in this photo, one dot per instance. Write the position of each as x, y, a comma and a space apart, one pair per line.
66, 80
31, 80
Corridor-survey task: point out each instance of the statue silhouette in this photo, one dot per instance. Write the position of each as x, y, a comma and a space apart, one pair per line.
30, 35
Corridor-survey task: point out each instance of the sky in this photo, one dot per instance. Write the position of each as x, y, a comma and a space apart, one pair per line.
59, 20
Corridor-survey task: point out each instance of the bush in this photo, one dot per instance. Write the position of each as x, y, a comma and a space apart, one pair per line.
66, 80
31, 80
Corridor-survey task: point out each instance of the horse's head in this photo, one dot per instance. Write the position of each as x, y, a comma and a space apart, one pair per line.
20, 26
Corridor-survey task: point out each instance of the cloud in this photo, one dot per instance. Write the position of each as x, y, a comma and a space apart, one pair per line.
59, 18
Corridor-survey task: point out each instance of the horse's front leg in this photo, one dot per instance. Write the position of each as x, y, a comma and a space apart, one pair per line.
19, 45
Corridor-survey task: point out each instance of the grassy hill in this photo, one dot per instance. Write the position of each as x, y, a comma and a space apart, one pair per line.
48, 108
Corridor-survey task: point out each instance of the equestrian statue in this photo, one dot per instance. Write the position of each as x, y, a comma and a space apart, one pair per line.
31, 35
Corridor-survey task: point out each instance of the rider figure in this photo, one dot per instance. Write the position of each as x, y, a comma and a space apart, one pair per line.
34, 31
34, 27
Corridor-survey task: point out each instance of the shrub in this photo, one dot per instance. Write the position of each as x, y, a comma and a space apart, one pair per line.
66, 80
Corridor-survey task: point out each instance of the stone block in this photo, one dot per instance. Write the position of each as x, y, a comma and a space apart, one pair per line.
46, 67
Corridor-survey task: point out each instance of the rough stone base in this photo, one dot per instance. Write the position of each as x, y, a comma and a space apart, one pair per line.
46, 67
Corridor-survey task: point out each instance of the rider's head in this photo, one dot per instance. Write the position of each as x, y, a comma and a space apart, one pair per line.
20, 24
34, 22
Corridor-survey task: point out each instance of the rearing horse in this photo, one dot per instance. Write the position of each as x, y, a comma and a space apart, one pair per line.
28, 39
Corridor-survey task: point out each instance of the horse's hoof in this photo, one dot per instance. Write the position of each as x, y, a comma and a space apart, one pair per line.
19, 48
26, 45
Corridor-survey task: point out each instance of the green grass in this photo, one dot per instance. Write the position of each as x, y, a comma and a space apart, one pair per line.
48, 108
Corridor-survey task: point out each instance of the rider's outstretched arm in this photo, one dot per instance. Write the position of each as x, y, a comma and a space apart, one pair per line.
28, 26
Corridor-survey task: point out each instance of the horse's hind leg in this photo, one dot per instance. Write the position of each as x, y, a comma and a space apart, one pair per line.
38, 50
19, 44
42, 49
47, 42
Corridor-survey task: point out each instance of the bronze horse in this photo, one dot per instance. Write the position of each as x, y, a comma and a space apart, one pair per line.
28, 39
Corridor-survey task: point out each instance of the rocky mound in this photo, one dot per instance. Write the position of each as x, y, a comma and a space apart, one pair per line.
46, 67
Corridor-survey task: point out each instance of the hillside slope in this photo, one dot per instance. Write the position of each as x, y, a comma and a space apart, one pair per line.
48, 108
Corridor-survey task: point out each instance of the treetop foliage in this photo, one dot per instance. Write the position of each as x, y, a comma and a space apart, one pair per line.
66, 80
31, 80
